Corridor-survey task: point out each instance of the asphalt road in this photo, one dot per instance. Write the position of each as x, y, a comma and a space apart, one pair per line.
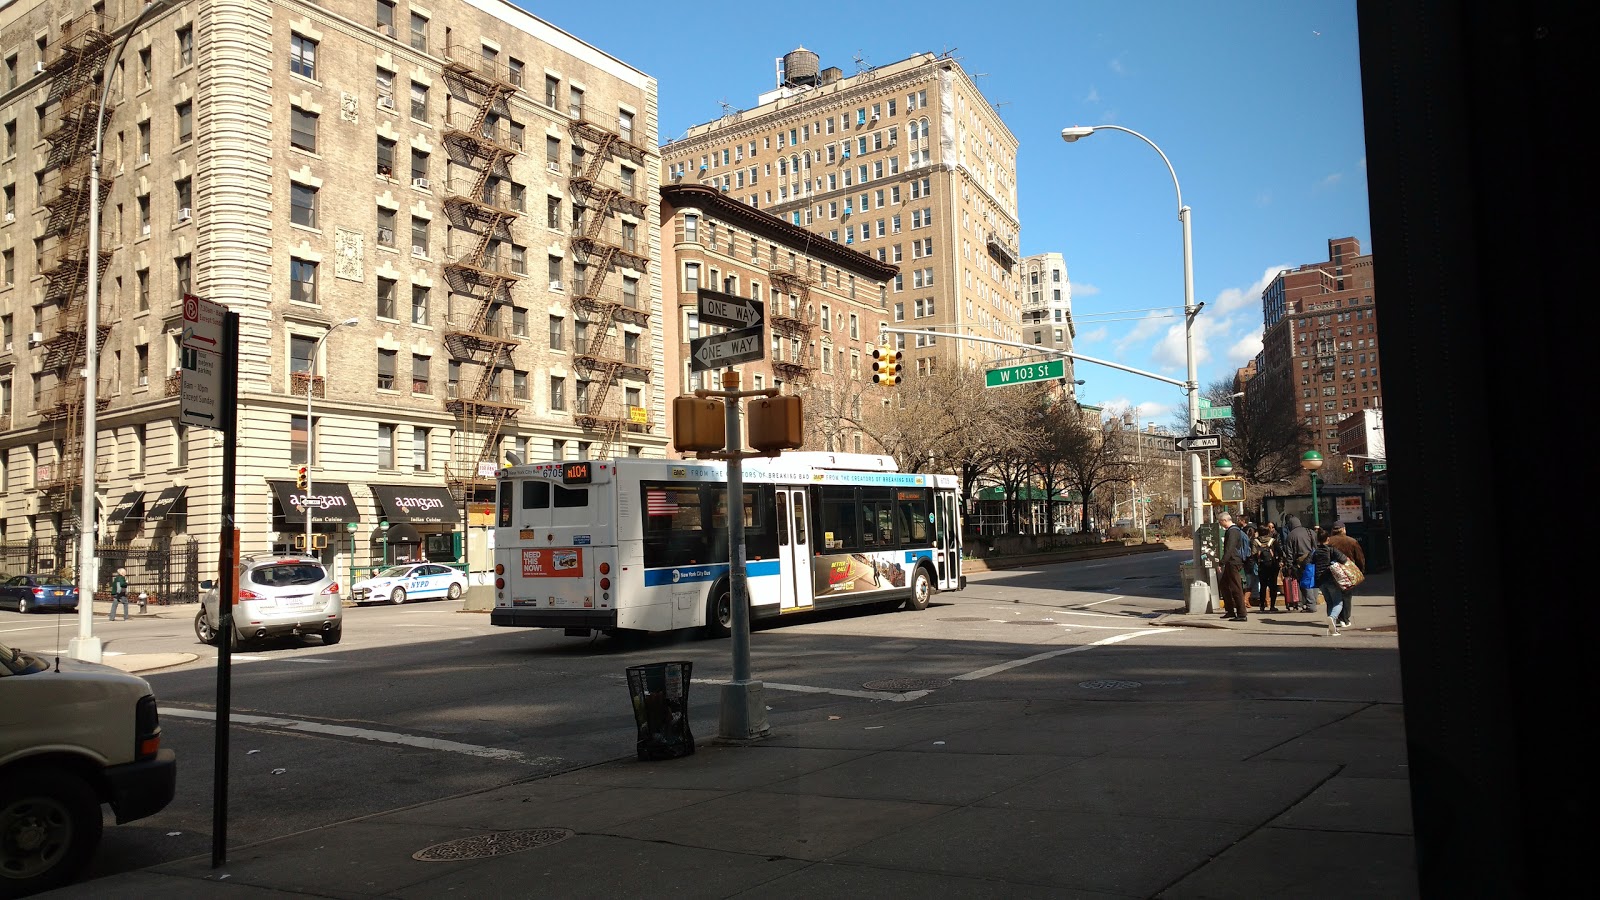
424, 701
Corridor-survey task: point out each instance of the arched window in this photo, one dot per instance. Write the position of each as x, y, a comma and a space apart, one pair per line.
783, 166
913, 130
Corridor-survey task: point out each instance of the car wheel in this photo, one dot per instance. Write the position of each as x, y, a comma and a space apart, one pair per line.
455, 591
203, 629
719, 612
921, 589
329, 638
22, 605
49, 828
398, 597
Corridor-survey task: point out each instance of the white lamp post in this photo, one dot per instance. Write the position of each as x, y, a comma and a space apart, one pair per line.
1198, 591
311, 432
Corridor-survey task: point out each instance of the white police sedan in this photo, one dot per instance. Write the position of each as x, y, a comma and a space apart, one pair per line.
414, 581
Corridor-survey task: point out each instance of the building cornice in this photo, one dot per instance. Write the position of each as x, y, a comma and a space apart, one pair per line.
734, 212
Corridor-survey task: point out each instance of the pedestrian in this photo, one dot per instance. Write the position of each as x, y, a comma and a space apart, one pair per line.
1251, 572
1298, 545
119, 594
1323, 557
1235, 549
1265, 550
1351, 548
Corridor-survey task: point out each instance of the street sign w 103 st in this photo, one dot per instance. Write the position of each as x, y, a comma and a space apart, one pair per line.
1027, 372
718, 351
1200, 442
729, 310
1216, 412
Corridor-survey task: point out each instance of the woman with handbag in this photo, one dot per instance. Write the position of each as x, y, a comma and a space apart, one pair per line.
1324, 558
1351, 548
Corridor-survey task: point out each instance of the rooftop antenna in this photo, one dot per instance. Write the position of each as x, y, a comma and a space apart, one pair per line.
727, 108
950, 53
861, 63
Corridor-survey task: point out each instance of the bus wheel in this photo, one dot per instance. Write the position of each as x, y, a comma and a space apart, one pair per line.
719, 612
921, 589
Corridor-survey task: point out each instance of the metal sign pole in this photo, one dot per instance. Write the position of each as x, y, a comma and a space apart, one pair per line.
227, 586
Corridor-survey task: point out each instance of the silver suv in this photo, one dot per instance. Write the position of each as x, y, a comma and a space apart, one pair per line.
278, 595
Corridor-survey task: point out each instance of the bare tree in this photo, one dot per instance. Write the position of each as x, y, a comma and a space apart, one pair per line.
945, 422
1264, 438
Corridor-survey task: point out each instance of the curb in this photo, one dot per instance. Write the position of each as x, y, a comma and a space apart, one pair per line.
995, 563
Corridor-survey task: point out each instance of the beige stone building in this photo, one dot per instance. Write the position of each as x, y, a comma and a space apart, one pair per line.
907, 162
825, 306
466, 181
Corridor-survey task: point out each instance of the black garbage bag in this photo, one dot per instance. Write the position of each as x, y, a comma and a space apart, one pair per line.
660, 693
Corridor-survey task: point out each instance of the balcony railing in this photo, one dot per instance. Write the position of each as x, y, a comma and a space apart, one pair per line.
175, 384
299, 380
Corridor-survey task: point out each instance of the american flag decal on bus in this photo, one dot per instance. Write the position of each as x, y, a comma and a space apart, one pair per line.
659, 503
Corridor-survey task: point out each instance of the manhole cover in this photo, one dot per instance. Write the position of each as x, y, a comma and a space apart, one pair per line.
1031, 622
499, 843
1107, 684
965, 619
902, 685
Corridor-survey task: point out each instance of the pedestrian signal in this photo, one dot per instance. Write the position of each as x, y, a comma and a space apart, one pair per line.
1225, 490
302, 478
886, 366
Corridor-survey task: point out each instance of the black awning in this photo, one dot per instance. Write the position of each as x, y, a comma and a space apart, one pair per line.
130, 506
418, 504
401, 534
172, 502
336, 506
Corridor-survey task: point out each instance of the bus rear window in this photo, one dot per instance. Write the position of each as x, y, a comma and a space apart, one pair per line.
536, 495
571, 498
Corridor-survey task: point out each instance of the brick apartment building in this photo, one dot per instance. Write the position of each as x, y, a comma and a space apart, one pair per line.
465, 180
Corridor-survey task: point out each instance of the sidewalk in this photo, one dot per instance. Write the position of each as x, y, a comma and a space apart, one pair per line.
1013, 787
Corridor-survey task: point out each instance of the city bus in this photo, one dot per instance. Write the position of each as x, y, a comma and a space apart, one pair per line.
642, 545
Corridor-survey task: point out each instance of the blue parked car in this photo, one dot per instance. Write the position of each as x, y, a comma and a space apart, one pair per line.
28, 593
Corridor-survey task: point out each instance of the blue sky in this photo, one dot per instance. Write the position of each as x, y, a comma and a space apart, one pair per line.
1257, 104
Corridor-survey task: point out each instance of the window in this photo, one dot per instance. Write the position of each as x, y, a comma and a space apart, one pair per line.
419, 236
630, 347
386, 367
302, 281
386, 17
419, 304
691, 228
420, 461
630, 292
552, 213
143, 279
855, 327
558, 396
141, 364
557, 333
421, 374
144, 216
303, 204
10, 279
386, 224
630, 237
419, 32
575, 102
419, 101
552, 90
625, 125
419, 166
514, 68
185, 44
555, 273
519, 384
302, 56
691, 277
184, 270
144, 140
298, 432
385, 445
180, 445
386, 298
185, 114
302, 129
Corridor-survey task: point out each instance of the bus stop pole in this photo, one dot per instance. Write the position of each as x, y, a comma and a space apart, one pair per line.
744, 702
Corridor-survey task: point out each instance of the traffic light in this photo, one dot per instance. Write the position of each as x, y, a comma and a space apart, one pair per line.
698, 425
1225, 490
886, 366
776, 423
1349, 464
302, 478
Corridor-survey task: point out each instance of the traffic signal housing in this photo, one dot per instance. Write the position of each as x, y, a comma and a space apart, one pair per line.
698, 425
301, 478
886, 366
776, 423
1349, 464
1225, 490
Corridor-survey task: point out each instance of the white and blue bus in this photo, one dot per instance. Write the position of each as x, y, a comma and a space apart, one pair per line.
642, 545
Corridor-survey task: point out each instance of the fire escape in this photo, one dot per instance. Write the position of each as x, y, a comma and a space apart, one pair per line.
792, 319
480, 147
73, 65
598, 245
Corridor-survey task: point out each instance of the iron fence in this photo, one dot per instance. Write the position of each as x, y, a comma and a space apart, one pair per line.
167, 571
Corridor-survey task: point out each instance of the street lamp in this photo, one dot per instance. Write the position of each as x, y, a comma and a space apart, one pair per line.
311, 431
1223, 467
86, 646
1196, 597
1311, 461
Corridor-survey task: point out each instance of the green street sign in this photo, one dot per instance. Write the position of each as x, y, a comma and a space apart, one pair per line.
1027, 372
1216, 412
1204, 403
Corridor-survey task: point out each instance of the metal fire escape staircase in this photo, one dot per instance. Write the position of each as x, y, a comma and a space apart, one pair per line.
480, 147
595, 251
793, 318
73, 64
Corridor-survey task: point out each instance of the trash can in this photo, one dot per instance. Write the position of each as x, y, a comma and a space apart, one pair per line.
660, 693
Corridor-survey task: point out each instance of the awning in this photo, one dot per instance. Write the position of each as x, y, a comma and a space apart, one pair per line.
417, 504
130, 506
335, 505
172, 502
401, 534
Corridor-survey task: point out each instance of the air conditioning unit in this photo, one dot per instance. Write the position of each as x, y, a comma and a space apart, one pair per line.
420, 183
387, 28
144, 157
874, 117
184, 214
385, 101
418, 250
553, 167
555, 285
386, 236
38, 67
11, 217
35, 338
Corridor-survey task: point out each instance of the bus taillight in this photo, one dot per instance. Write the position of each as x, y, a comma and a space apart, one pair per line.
499, 568
605, 584
605, 568
500, 584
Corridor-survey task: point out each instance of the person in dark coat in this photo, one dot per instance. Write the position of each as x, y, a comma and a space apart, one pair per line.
1351, 548
1265, 550
1323, 557
1235, 548
1298, 545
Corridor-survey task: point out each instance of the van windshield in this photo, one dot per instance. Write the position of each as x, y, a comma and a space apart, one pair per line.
287, 574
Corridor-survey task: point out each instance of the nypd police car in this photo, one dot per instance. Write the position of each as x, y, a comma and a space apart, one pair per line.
414, 581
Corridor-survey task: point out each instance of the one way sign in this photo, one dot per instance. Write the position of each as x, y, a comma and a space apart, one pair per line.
729, 310
718, 351
1199, 442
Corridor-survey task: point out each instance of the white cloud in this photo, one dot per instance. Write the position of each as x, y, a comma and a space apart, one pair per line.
1084, 289
1116, 65
1093, 96
1330, 181
1231, 299
1244, 350
1146, 327
1092, 337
